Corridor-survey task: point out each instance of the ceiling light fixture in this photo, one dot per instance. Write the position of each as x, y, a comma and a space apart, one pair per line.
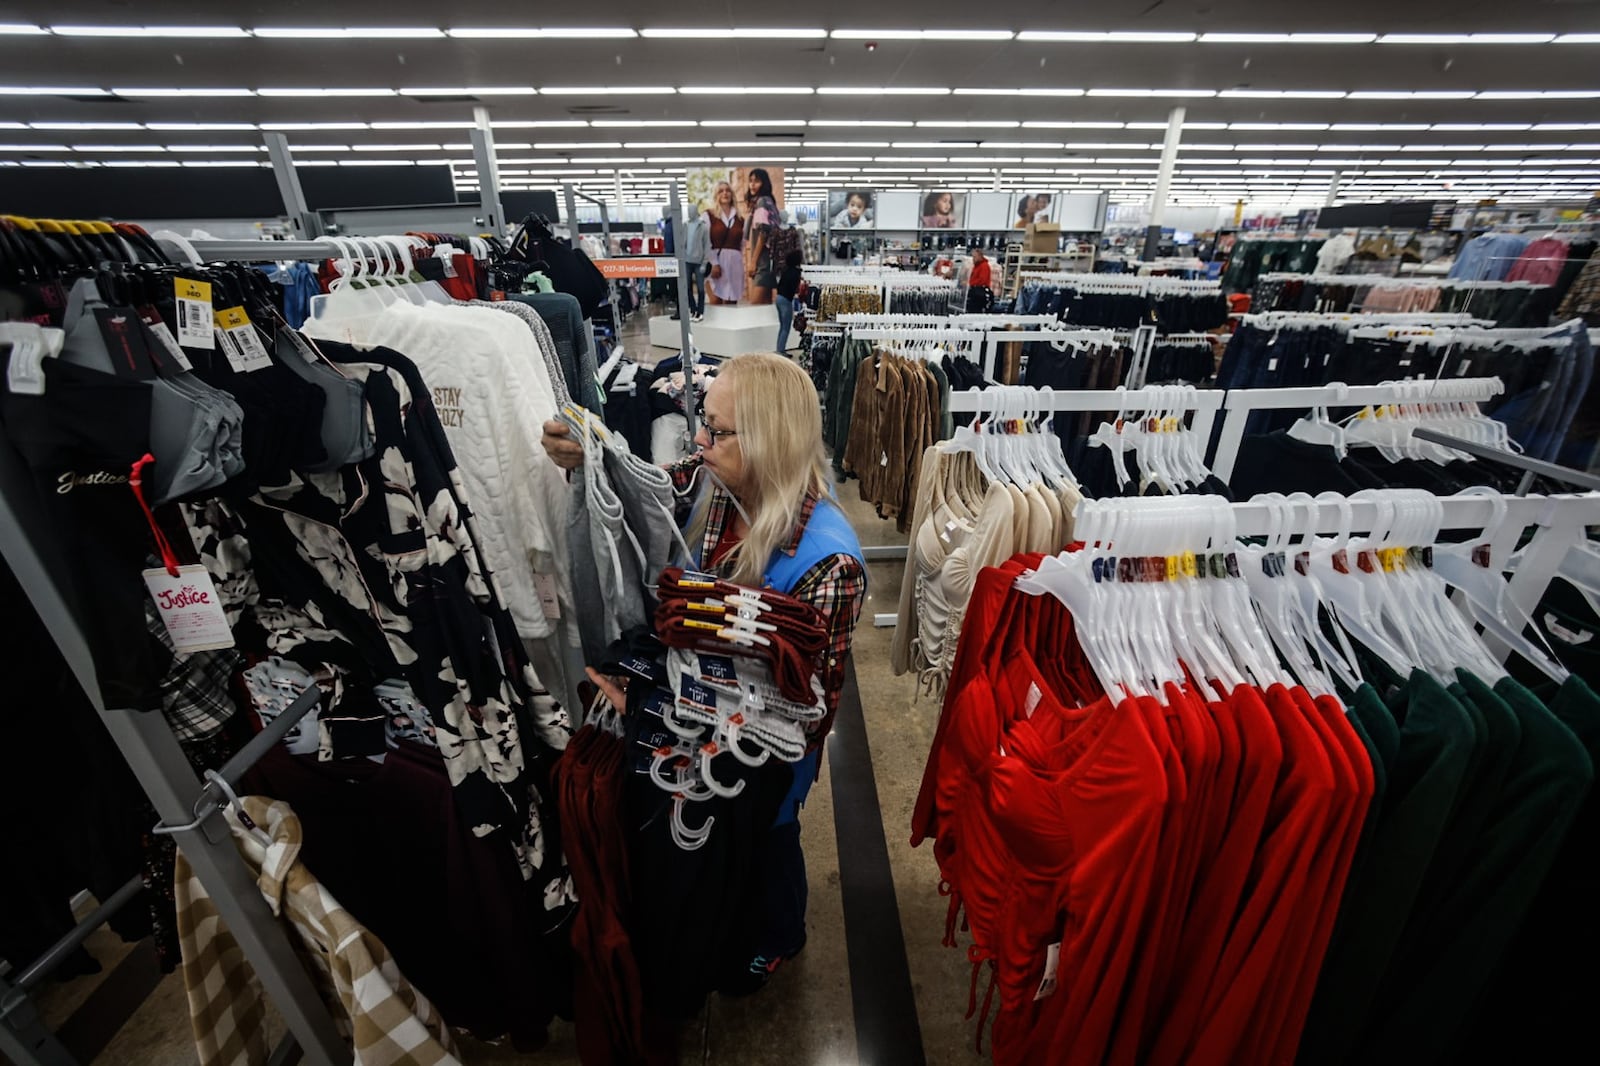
321, 92
1009, 124
1043, 124
21, 29
209, 127
541, 123
1466, 38
736, 123
246, 148
1541, 94
1288, 38
480, 90
607, 90
747, 90
712, 33
641, 124
85, 125
523, 32
198, 93
287, 127
1175, 93
1282, 94
348, 32
149, 31
859, 122
923, 35
1410, 94
1140, 36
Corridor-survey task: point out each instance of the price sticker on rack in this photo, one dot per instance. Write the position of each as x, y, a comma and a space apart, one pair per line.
194, 313
241, 344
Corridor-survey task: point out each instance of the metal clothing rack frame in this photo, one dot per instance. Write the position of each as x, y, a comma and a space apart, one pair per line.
163, 771
1203, 402
1238, 403
1562, 523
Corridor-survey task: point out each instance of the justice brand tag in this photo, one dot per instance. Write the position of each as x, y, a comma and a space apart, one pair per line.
195, 324
545, 586
245, 351
156, 329
1052, 963
189, 608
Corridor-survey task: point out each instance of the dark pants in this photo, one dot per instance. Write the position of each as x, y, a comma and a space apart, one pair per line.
785, 319
784, 889
979, 299
697, 288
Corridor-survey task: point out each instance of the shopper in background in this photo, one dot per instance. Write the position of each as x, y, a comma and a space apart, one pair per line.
788, 288
761, 211
725, 230
696, 259
767, 518
979, 294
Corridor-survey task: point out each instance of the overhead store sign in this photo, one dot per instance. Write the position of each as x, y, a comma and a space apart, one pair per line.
663, 266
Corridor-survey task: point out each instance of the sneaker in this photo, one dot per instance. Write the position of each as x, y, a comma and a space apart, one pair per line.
754, 977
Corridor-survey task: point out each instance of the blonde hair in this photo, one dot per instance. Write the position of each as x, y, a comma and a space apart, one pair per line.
780, 438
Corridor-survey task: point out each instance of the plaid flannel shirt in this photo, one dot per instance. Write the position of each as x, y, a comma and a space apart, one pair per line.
389, 1022
836, 586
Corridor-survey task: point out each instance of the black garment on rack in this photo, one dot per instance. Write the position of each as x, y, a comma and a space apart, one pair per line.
1191, 363
392, 844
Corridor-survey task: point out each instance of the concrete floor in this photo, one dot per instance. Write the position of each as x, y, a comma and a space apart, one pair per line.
805, 1015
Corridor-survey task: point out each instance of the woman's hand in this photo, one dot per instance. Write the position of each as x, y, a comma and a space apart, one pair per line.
610, 687
716, 270
560, 447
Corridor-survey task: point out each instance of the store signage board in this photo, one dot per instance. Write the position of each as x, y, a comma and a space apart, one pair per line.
664, 266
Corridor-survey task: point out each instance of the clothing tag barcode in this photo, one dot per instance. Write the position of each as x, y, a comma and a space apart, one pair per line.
169, 344
545, 586
194, 313
1052, 963
245, 351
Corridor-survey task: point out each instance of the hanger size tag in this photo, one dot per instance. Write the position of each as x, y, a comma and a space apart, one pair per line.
195, 325
1052, 964
124, 338
189, 608
545, 586
25, 372
242, 345
157, 330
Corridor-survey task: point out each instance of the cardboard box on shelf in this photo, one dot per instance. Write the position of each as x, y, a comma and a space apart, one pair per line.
1042, 237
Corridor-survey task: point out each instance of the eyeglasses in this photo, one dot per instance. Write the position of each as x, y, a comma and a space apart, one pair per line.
716, 435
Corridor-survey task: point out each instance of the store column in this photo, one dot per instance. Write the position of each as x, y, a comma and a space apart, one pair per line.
1158, 200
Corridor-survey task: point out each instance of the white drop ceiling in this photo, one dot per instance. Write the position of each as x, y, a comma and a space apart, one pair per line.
1464, 100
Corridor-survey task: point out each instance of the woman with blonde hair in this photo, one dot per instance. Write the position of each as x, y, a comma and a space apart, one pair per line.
766, 516
727, 228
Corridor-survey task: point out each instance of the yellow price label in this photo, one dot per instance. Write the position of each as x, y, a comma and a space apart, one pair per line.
232, 318
705, 608
192, 290
695, 623
1190, 568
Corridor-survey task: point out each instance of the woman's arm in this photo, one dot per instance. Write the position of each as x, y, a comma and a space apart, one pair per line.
837, 587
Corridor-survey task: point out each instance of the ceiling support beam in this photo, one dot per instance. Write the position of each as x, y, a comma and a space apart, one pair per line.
306, 222
494, 216
1158, 199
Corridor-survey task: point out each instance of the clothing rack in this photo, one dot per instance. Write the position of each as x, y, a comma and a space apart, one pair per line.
1388, 281
1238, 404
1273, 320
1203, 402
186, 809
1141, 340
1562, 523
1138, 284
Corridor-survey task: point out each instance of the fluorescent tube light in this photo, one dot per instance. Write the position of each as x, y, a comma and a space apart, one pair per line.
1176, 93
245, 148
736, 123
1410, 94
1288, 38
209, 127
348, 32
622, 124
85, 125
48, 90
149, 31
1466, 38
538, 124
325, 92
1141, 36
21, 29
746, 90
923, 35
607, 90
480, 90
491, 32
1282, 94
286, 127
711, 33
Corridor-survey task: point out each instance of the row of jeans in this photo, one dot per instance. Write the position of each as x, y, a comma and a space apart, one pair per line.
1550, 406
